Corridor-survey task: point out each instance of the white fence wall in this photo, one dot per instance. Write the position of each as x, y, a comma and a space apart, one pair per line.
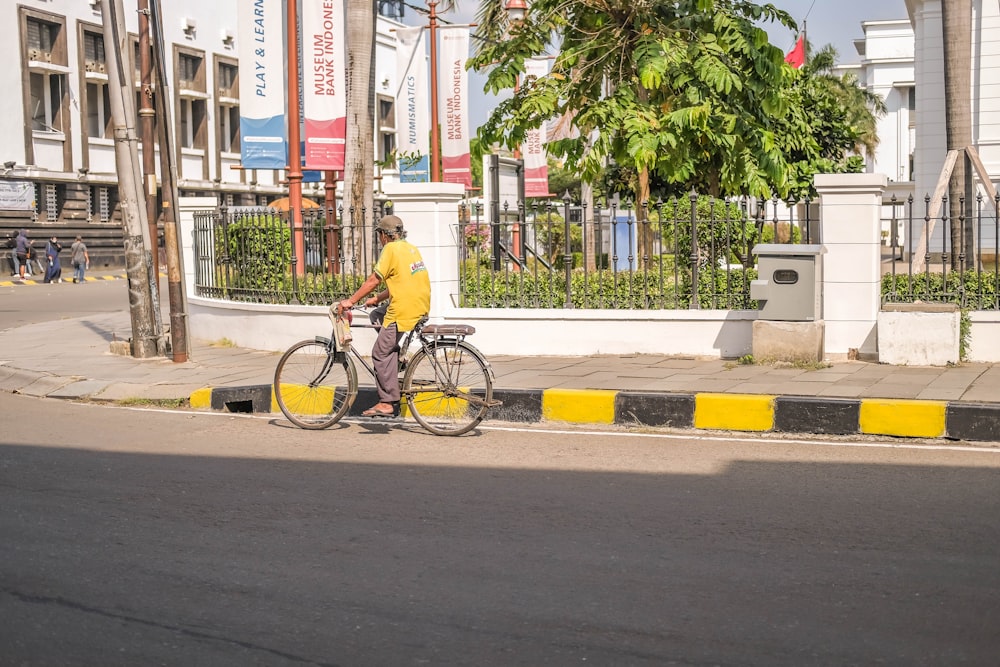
850, 220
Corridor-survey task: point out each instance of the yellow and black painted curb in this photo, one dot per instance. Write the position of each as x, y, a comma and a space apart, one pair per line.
727, 412
11, 282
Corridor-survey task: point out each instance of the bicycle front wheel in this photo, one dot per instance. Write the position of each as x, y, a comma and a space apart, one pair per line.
448, 387
313, 386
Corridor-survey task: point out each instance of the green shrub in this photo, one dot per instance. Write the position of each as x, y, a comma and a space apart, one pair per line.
639, 290
260, 252
970, 289
723, 227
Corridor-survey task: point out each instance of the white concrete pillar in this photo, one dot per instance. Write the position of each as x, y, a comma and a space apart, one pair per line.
186, 208
850, 206
430, 216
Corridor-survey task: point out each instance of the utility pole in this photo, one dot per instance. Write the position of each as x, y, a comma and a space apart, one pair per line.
146, 334
168, 177
146, 116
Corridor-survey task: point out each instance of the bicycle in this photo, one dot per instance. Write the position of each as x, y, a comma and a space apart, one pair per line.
447, 384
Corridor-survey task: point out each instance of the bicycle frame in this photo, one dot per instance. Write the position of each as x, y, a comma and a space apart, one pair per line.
426, 345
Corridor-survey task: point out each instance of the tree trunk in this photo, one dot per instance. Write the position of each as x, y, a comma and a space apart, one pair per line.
956, 20
359, 158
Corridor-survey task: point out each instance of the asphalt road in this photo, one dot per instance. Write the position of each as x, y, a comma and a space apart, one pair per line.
140, 537
29, 304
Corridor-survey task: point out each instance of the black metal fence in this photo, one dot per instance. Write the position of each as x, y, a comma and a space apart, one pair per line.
689, 252
686, 253
935, 256
257, 255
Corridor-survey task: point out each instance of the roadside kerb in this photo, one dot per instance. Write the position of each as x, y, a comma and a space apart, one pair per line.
703, 410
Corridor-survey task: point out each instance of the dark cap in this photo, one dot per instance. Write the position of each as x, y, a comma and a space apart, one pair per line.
391, 224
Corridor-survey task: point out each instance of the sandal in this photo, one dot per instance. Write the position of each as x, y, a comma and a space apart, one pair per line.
379, 410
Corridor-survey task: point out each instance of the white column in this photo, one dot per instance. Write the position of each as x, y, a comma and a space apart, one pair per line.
186, 208
850, 206
430, 217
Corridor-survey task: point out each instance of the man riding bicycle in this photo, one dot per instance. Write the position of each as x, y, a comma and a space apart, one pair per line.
408, 288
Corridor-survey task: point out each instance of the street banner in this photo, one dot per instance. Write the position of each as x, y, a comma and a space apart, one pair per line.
453, 109
263, 138
536, 166
324, 84
412, 117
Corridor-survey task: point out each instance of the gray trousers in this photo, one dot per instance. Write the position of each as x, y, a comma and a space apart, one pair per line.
385, 359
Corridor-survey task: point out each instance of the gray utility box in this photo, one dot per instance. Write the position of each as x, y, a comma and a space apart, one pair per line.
789, 283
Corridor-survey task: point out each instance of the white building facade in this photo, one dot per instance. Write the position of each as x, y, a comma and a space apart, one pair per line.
57, 150
886, 68
931, 140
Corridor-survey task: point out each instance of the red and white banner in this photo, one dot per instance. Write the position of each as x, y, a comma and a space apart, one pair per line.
536, 166
324, 84
453, 100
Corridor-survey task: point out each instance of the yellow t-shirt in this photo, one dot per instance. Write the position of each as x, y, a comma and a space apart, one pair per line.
402, 269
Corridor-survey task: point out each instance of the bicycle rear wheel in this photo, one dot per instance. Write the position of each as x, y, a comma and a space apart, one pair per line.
314, 387
448, 387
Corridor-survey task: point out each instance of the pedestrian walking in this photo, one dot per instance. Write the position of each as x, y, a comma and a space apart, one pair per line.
15, 263
53, 273
80, 258
22, 250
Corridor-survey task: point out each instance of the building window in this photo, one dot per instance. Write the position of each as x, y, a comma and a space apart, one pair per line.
101, 203
193, 111
192, 121
386, 131
97, 99
45, 44
46, 101
42, 39
98, 111
228, 98
93, 52
188, 70
52, 200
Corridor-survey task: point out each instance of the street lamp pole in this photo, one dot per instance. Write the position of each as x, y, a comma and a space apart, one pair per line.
294, 154
435, 136
516, 11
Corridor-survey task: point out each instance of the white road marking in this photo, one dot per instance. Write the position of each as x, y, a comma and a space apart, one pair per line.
983, 449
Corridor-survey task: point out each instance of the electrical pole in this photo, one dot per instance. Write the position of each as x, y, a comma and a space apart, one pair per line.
179, 338
146, 333
146, 116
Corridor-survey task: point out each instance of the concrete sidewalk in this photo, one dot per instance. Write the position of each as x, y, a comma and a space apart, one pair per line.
71, 359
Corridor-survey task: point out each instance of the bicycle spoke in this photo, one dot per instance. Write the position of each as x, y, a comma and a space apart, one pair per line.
312, 387
448, 388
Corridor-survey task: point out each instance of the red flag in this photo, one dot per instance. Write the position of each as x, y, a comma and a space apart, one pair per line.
797, 56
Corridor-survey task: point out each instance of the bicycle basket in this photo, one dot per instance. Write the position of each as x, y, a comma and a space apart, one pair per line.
341, 328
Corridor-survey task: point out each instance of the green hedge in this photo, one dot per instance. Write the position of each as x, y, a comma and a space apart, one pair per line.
970, 290
640, 290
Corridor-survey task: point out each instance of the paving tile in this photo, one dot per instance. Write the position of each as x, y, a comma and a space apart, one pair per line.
940, 394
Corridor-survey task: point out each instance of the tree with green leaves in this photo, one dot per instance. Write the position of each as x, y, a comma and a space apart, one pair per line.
831, 123
671, 88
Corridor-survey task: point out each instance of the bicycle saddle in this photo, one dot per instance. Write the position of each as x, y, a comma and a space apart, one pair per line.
449, 329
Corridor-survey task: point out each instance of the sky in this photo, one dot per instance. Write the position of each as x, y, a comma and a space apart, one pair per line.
836, 22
